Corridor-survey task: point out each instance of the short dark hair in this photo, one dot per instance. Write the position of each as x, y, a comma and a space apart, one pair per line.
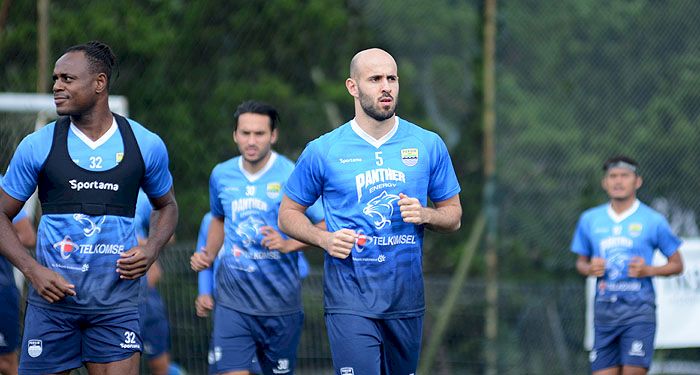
261, 108
100, 57
616, 160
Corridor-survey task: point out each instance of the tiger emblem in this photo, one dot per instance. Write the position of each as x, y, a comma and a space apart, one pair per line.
380, 209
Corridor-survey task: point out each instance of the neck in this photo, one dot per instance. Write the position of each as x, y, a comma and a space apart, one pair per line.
376, 129
255, 167
94, 123
622, 205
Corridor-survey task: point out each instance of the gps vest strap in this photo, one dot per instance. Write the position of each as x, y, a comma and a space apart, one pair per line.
66, 188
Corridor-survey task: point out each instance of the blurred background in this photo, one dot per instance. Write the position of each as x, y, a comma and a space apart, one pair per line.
530, 96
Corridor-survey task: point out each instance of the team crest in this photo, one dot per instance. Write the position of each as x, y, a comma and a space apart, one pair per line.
635, 229
273, 190
409, 156
34, 348
119, 156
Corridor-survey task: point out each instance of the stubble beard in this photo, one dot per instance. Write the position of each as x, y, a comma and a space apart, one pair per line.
374, 111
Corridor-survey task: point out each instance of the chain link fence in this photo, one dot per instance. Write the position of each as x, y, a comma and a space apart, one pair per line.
578, 81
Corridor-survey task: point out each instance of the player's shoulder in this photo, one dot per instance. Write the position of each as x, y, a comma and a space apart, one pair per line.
142, 133
331, 138
42, 136
226, 166
412, 129
283, 162
647, 211
595, 212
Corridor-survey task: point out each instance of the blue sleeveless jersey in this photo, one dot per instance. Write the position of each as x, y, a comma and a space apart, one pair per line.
7, 277
360, 179
250, 278
84, 249
617, 238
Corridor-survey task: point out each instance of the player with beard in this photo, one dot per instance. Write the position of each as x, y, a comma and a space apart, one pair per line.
257, 281
375, 174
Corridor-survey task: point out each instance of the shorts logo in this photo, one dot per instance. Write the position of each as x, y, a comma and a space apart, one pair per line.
409, 156
282, 366
34, 348
592, 356
214, 355
3, 342
65, 247
273, 190
637, 349
347, 371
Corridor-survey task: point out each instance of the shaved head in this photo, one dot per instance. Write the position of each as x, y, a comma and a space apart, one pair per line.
366, 58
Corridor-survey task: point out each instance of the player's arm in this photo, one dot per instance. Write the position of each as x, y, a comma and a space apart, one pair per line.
638, 268
25, 232
135, 263
293, 221
587, 266
50, 285
273, 240
215, 239
445, 217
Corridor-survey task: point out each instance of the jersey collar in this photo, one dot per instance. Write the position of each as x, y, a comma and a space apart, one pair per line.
99, 141
371, 140
624, 215
252, 177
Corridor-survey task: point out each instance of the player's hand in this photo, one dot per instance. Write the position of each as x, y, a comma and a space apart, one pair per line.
134, 263
411, 210
339, 244
597, 267
637, 267
203, 304
50, 285
200, 260
273, 240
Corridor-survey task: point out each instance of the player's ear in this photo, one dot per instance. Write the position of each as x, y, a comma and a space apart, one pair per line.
101, 82
638, 184
273, 137
351, 85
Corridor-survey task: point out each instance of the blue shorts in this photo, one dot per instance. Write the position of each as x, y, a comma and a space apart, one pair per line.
9, 319
361, 345
56, 341
155, 330
239, 340
624, 345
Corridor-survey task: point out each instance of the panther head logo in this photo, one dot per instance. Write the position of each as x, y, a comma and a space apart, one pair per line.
380, 209
248, 230
89, 227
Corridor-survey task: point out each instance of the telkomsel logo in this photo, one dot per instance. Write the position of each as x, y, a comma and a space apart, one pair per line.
65, 247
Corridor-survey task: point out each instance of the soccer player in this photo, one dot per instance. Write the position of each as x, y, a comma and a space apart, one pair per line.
257, 290
375, 174
155, 328
615, 242
9, 297
88, 166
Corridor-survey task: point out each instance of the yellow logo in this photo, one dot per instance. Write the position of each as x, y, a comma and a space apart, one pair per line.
274, 189
409, 156
119, 157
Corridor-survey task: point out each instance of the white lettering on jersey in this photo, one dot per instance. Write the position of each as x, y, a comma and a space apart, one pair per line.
613, 242
93, 185
244, 204
375, 176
